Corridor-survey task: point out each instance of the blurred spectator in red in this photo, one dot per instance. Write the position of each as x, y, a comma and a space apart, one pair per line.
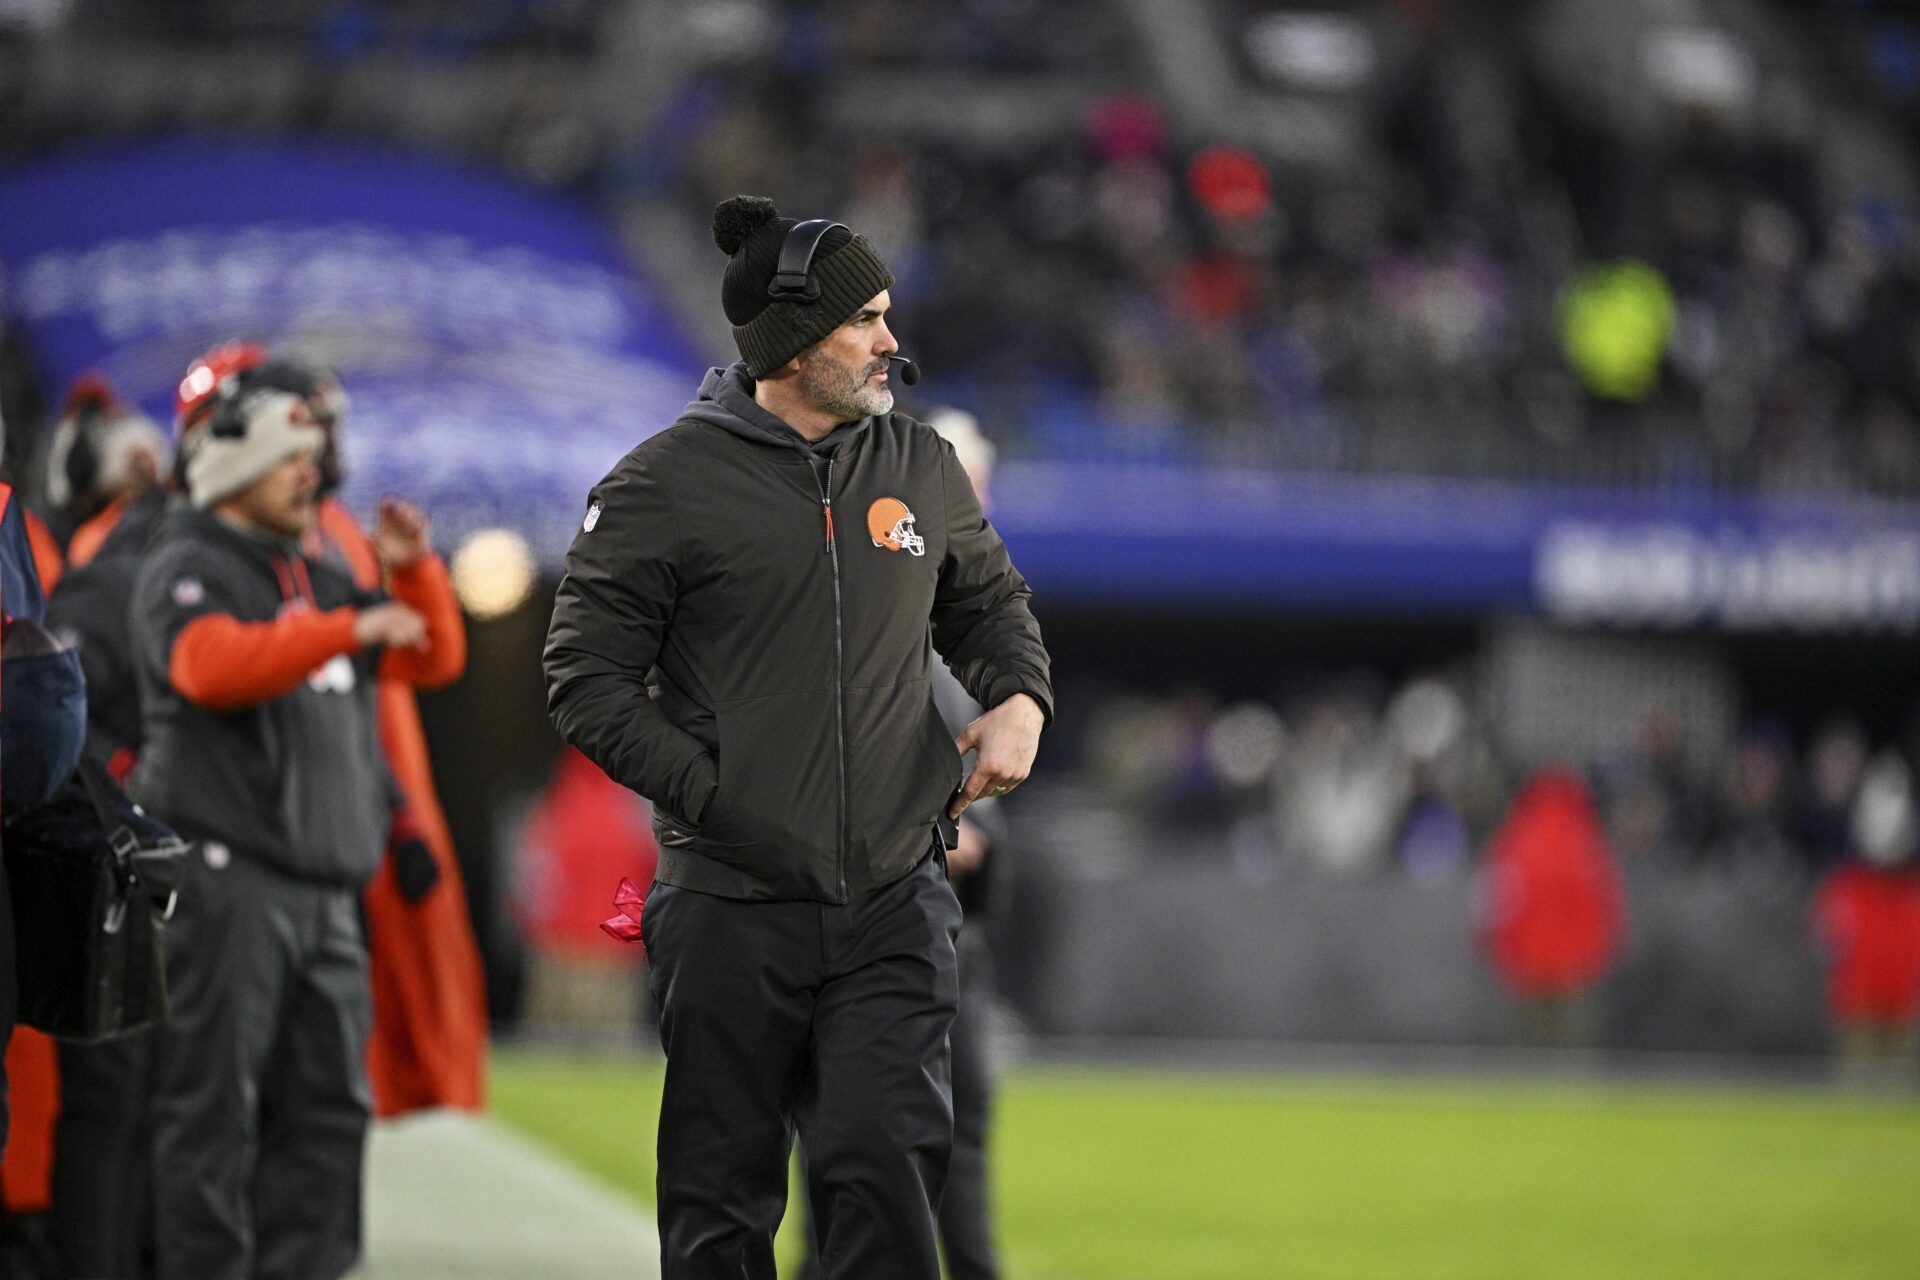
1553, 914
1867, 916
584, 834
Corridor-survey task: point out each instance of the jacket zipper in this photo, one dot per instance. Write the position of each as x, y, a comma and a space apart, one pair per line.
839, 692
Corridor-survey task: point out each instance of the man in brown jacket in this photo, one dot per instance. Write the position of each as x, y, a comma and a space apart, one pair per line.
742, 636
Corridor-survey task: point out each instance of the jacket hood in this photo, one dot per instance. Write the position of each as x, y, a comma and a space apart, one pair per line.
726, 401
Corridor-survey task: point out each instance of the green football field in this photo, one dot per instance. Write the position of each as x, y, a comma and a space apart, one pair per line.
1128, 1174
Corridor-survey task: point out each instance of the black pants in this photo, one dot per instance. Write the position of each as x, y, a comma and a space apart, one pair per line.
102, 1213
831, 1018
261, 1106
966, 1233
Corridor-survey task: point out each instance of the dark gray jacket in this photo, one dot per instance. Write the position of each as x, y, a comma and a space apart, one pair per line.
741, 637
296, 782
89, 609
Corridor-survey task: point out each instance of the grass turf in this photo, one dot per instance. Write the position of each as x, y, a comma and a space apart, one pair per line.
1136, 1175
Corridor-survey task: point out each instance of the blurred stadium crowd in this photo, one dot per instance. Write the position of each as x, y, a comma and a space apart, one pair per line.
1576, 239
1356, 775
1508, 267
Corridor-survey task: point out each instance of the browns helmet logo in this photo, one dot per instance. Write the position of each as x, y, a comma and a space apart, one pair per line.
890, 525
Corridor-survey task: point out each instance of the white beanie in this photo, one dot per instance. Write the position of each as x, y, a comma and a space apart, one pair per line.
1883, 818
243, 442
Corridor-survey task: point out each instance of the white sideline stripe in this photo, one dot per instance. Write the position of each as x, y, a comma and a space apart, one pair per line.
452, 1196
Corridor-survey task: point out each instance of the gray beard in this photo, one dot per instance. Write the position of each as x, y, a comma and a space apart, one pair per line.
842, 392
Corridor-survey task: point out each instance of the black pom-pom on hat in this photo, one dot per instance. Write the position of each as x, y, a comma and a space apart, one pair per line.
736, 219
750, 231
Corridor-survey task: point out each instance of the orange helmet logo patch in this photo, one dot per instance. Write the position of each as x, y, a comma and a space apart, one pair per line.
890, 525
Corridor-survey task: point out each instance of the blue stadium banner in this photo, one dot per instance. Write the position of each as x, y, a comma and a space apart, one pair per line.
499, 355
1113, 534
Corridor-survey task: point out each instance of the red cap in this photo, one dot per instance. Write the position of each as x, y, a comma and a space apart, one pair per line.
90, 390
194, 397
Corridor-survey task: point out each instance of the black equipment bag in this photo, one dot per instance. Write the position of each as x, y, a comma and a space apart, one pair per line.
93, 880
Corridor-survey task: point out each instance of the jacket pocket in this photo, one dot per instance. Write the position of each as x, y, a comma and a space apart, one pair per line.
902, 769
673, 831
779, 778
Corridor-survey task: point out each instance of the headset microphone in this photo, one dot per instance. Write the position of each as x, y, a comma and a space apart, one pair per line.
909, 371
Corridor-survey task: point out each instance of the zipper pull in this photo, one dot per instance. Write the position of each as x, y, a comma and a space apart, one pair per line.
827, 504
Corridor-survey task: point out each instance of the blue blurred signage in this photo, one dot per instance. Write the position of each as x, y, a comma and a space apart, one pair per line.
1218, 538
499, 355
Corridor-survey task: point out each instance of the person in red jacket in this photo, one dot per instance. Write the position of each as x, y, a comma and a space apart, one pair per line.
1867, 916
1553, 913
585, 833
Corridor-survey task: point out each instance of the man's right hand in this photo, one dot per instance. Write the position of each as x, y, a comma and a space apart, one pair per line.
391, 624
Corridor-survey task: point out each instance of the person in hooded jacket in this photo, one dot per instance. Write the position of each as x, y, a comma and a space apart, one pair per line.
256, 668
742, 637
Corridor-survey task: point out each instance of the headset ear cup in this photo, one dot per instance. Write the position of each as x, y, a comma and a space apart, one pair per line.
228, 420
793, 274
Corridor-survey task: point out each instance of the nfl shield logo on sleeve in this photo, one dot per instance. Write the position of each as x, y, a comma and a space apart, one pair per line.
593, 518
188, 592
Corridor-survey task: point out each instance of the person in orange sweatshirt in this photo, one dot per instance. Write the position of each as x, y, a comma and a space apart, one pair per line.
257, 666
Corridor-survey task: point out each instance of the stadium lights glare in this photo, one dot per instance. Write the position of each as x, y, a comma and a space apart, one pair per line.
493, 573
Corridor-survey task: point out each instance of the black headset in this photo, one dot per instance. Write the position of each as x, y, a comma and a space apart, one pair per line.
793, 277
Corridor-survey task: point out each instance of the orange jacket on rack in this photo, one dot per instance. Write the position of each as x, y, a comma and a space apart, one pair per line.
429, 1041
